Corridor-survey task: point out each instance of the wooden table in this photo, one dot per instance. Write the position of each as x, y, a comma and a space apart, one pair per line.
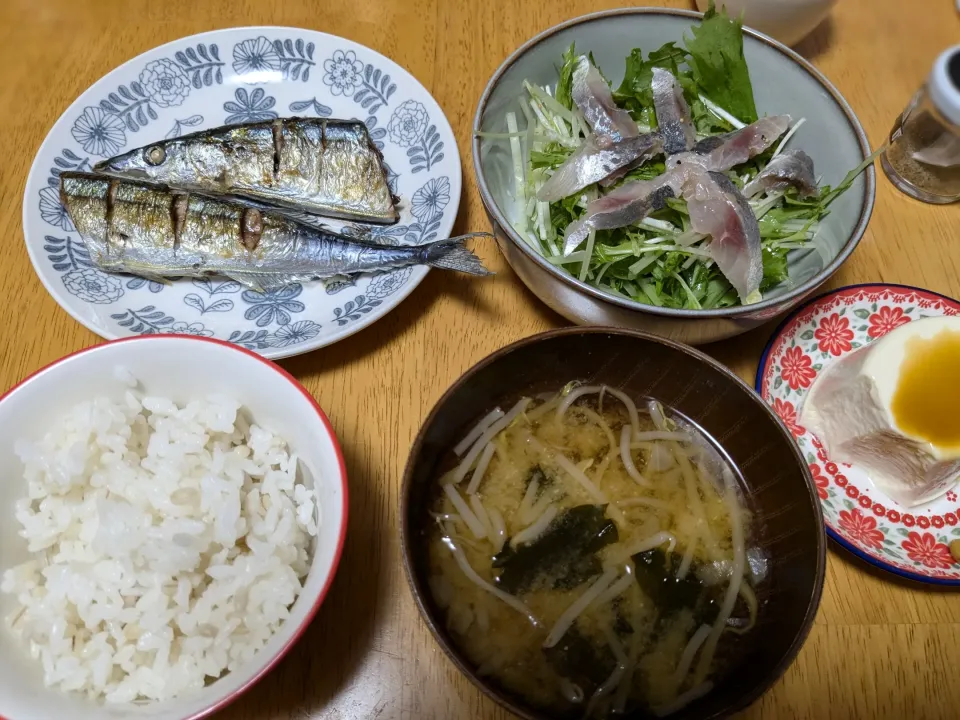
880, 648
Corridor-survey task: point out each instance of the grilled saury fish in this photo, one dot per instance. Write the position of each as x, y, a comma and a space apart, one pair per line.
327, 167
154, 232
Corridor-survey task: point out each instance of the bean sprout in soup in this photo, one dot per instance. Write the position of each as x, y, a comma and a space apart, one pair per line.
590, 557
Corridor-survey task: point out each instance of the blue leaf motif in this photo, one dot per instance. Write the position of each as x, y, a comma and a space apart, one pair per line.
295, 58
212, 287
222, 305
135, 283
178, 125
195, 301
202, 66
354, 309
145, 321
67, 160
67, 253
251, 340
313, 104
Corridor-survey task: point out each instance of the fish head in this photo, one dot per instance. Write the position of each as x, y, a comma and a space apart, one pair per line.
159, 162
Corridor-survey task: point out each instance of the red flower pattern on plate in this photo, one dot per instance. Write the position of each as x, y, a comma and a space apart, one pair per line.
861, 528
788, 413
886, 319
828, 328
820, 480
797, 368
925, 550
834, 335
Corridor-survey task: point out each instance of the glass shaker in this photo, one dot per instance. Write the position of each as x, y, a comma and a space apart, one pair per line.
923, 155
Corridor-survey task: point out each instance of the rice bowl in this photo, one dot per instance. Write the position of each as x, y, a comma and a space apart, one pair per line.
165, 493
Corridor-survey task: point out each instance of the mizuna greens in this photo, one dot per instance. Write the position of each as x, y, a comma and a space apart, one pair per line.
659, 258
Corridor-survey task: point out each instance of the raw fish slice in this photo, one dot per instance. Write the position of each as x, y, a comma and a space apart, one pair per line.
718, 209
673, 113
631, 195
789, 169
593, 161
592, 95
726, 151
626, 205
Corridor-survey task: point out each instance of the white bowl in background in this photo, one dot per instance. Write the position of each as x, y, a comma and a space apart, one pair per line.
182, 368
789, 21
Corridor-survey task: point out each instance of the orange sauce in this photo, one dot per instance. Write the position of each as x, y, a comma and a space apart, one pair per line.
926, 401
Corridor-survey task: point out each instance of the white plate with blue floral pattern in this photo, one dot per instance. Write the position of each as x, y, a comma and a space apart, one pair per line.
243, 75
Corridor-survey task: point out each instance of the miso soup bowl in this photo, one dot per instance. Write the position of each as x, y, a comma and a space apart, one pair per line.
787, 525
783, 82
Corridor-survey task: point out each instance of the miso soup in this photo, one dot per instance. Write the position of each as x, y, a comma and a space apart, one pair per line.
590, 556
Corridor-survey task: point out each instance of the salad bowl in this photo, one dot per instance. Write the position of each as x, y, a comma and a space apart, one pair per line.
782, 83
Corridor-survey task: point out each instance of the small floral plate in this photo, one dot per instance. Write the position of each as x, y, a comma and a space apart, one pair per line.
911, 542
231, 76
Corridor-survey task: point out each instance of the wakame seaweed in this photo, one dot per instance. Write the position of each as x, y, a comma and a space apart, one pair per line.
581, 661
658, 579
563, 557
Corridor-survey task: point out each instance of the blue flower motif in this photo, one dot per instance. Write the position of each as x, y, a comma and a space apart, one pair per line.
342, 72
99, 132
388, 283
408, 123
295, 333
53, 211
429, 201
250, 108
255, 56
182, 328
273, 305
93, 286
165, 82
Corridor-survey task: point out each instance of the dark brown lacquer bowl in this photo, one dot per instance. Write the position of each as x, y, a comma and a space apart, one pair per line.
787, 524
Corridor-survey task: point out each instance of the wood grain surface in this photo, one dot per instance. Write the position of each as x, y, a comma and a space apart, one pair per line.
880, 648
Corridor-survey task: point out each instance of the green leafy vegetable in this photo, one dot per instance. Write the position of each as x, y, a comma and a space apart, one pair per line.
828, 194
634, 92
774, 267
719, 68
553, 155
564, 94
659, 260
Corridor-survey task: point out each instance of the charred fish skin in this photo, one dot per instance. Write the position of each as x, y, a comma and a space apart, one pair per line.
154, 232
321, 166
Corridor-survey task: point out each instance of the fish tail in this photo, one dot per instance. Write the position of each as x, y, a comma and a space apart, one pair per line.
450, 254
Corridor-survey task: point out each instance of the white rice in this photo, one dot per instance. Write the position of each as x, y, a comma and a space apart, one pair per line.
168, 542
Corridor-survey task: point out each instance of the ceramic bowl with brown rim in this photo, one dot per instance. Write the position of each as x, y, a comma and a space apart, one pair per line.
783, 82
775, 484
